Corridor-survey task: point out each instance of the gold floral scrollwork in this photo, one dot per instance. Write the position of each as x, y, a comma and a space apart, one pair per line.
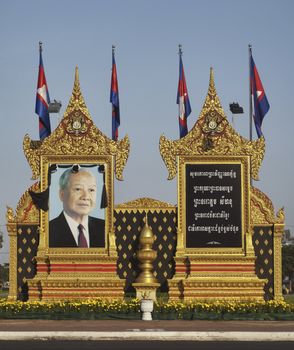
211, 135
262, 210
145, 203
10, 217
26, 211
76, 135
280, 216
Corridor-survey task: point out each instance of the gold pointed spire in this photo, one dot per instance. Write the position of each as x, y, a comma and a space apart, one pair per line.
212, 102
77, 81
77, 102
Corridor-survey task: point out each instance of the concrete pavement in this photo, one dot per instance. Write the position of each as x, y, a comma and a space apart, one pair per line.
147, 330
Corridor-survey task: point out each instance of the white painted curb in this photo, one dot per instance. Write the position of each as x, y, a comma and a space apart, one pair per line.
147, 335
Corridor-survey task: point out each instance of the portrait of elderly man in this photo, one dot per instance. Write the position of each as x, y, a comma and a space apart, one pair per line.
74, 227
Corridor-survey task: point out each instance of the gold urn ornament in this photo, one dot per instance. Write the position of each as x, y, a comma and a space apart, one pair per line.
146, 283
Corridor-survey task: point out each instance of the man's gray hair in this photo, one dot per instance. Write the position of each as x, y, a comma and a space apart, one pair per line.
65, 176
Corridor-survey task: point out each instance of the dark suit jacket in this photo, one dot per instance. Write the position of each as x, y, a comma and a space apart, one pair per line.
60, 234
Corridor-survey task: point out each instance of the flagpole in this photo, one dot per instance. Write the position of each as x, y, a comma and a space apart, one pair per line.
250, 108
180, 50
250, 95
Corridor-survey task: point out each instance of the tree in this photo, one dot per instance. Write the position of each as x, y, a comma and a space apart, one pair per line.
288, 263
1, 239
4, 272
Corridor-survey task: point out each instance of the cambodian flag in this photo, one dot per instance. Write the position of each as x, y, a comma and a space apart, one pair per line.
42, 102
183, 101
114, 99
259, 100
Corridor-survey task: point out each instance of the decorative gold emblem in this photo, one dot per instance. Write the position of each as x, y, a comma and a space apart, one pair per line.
77, 124
211, 135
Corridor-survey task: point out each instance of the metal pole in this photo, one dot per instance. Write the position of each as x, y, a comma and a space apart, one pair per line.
250, 95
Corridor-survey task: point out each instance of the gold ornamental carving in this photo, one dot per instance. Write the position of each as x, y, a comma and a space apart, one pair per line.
212, 135
145, 203
76, 135
26, 211
262, 209
10, 216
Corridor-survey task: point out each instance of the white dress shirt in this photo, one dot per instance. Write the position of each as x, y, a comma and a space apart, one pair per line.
73, 225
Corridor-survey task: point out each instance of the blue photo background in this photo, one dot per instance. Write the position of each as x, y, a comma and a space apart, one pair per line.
55, 205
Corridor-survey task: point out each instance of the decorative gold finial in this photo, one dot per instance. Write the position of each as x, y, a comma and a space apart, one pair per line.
77, 80
146, 255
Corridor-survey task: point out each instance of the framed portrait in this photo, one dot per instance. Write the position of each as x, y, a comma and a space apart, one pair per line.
80, 202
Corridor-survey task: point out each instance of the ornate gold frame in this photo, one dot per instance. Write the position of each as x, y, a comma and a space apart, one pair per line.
107, 161
182, 161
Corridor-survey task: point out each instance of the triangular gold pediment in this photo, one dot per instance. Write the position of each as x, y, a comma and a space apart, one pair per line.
76, 135
212, 135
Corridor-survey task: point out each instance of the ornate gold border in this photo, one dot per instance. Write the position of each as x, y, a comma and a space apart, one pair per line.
26, 211
107, 161
278, 233
181, 243
145, 204
12, 233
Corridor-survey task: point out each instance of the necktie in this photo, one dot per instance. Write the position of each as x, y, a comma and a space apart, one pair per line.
82, 239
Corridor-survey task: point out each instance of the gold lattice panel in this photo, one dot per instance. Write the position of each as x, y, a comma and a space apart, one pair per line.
27, 244
264, 251
128, 225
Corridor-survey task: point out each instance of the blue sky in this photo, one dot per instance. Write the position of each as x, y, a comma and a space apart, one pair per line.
146, 34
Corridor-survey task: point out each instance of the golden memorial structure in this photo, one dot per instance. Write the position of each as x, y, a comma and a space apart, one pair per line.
221, 241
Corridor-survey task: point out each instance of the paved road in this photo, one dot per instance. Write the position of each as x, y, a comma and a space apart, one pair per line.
160, 326
142, 345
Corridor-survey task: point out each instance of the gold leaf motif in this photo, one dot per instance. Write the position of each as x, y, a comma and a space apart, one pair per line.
202, 139
262, 209
145, 203
26, 211
10, 217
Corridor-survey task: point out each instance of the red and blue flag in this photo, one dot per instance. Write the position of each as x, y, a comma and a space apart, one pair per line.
114, 99
183, 101
42, 102
259, 99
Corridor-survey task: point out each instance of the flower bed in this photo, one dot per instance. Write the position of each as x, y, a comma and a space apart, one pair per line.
101, 309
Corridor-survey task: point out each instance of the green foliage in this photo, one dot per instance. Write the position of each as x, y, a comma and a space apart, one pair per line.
103, 309
288, 261
4, 273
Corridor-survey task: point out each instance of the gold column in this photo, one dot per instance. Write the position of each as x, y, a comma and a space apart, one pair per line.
12, 233
278, 233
